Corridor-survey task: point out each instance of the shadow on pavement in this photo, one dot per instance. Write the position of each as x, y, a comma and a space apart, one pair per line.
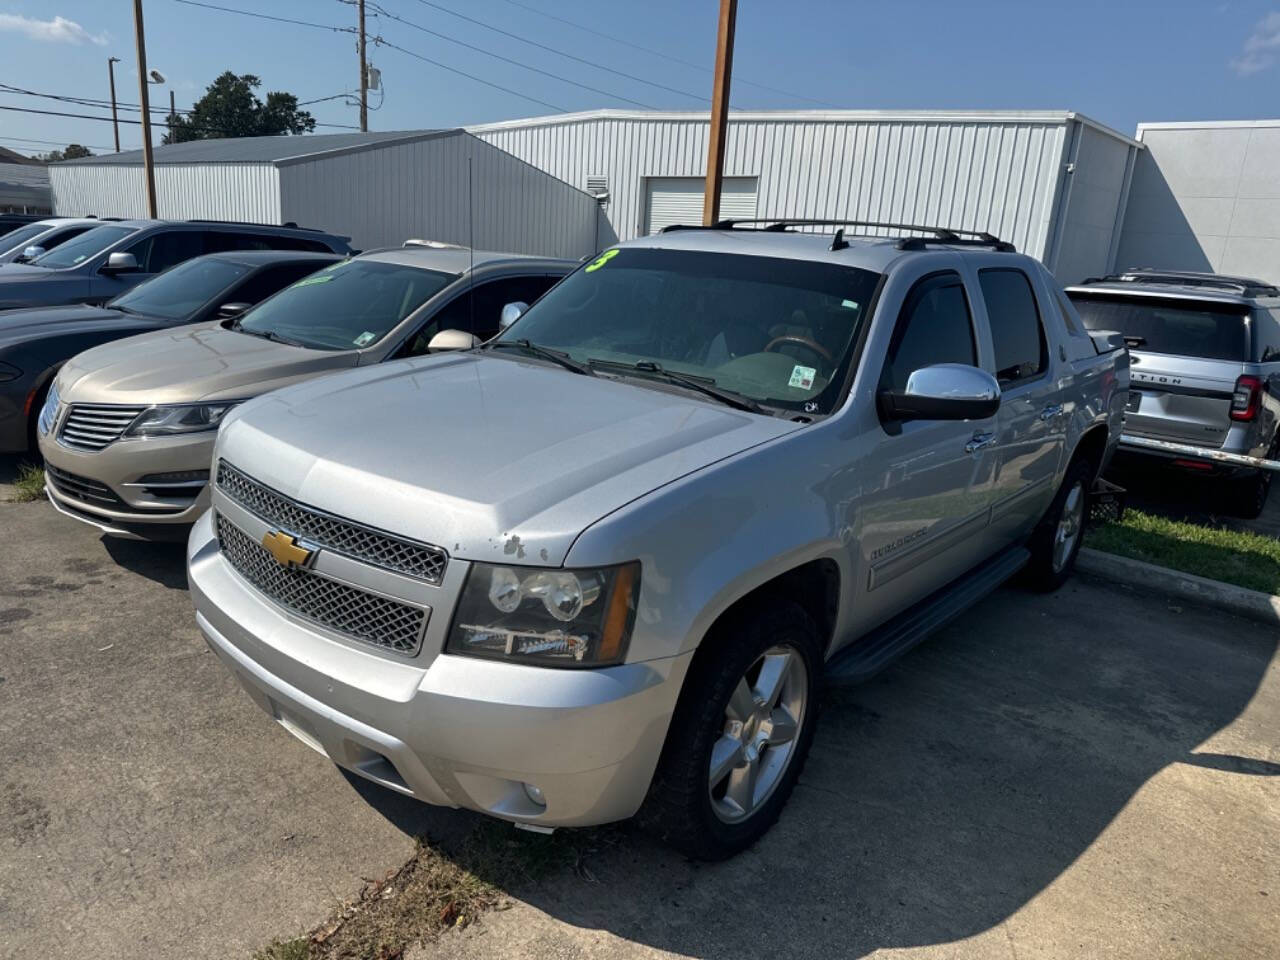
1181, 495
945, 794
165, 563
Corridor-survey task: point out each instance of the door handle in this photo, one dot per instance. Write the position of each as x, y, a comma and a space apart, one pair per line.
1051, 411
980, 440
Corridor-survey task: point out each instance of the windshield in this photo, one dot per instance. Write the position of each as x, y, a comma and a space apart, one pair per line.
347, 306
88, 244
18, 239
1177, 327
778, 331
181, 290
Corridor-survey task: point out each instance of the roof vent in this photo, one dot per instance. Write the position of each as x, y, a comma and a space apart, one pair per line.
598, 187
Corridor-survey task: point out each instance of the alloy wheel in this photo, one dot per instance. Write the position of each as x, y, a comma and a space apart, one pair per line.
1070, 524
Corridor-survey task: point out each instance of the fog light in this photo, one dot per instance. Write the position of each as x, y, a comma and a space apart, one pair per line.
534, 794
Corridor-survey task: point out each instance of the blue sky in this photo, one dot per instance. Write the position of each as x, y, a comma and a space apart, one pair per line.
1121, 62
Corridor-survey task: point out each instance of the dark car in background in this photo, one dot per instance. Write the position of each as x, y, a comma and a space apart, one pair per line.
1204, 397
33, 239
35, 343
12, 221
104, 262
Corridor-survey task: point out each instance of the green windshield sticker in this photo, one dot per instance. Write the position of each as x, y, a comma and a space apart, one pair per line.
320, 278
849, 304
601, 260
366, 338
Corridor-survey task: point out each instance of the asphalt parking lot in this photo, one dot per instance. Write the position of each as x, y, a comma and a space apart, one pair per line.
1093, 773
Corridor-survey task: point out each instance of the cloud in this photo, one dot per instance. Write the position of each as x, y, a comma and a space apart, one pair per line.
1261, 48
57, 30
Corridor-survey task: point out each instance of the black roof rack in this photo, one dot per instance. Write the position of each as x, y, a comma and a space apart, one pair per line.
1246, 286
288, 225
947, 235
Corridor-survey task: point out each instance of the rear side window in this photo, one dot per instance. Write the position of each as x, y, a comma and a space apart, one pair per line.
935, 326
1267, 335
221, 241
166, 249
1016, 331
272, 279
1177, 327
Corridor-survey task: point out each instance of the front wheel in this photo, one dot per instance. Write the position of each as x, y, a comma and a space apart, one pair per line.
1055, 543
740, 733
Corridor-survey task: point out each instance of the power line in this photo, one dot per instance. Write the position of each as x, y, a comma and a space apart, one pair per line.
86, 116
53, 143
560, 53
379, 41
658, 53
488, 53
82, 101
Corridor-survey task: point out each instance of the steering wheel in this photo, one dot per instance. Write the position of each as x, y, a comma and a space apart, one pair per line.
804, 342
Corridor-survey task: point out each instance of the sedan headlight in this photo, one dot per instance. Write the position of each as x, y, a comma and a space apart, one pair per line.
165, 421
49, 412
559, 618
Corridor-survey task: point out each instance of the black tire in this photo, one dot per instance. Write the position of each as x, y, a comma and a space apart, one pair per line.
679, 808
1246, 497
1047, 569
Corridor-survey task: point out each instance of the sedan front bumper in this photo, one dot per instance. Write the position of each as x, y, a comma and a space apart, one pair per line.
448, 730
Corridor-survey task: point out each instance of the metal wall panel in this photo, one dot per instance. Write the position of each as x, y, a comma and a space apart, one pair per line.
216, 191
994, 172
385, 196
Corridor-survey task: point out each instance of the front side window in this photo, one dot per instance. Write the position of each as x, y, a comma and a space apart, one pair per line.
166, 249
182, 291
1169, 326
935, 326
480, 319
778, 331
1016, 331
88, 244
347, 306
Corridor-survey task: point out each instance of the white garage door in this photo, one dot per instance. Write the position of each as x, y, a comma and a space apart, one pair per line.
671, 200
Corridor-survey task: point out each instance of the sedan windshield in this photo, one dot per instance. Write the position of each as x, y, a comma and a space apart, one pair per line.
347, 306
182, 290
18, 239
88, 244
777, 331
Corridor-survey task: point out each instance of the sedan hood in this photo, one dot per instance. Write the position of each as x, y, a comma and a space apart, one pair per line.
493, 459
33, 324
190, 363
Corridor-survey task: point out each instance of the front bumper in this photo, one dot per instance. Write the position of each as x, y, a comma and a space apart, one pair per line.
448, 730
127, 508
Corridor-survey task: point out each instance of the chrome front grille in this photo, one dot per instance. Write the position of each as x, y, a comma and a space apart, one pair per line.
92, 426
82, 488
350, 611
419, 560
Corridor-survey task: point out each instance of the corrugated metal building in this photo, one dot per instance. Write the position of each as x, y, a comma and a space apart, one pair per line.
1053, 182
24, 188
1206, 196
378, 188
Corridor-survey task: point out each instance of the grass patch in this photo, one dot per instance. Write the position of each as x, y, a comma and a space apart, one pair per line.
1245, 559
436, 891
29, 484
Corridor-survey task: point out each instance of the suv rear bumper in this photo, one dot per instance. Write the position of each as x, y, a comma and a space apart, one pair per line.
448, 730
1231, 462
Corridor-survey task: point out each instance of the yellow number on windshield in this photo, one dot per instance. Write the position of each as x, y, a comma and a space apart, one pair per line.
601, 260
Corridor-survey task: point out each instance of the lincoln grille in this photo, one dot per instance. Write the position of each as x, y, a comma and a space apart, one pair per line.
355, 613
342, 536
92, 426
82, 488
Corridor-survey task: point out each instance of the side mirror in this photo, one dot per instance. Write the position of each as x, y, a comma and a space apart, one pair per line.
229, 310
121, 263
944, 391
511, 313
452, 340
31, 252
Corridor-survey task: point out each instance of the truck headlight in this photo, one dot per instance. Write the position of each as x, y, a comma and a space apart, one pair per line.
559, 618
170, 419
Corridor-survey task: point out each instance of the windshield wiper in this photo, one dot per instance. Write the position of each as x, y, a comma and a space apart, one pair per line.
270, 335
546, 353
704, 385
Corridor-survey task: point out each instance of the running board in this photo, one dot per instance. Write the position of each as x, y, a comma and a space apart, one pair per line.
870, 654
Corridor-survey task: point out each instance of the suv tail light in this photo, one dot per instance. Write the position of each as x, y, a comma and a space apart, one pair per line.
1247, 398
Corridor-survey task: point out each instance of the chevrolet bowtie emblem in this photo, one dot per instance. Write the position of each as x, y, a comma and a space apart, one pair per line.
286, 550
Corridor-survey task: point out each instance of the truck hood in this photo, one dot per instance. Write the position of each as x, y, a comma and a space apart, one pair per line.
30, 325
493, 459
190, 363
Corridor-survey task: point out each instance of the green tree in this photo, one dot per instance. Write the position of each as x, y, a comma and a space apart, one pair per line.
230, 108
74, 151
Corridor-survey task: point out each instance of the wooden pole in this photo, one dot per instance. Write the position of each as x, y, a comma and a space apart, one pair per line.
719, 112
173, 110
111, 76
364, 77
145, 98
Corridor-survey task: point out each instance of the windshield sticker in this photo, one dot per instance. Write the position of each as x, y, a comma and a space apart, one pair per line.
309, 281
802, 377
849, 304
366, 338
601, 260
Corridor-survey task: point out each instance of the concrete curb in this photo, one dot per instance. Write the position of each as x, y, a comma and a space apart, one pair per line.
1251, 604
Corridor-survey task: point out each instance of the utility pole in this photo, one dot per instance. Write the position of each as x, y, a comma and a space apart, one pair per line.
111, 75
145, 98
719, 112
172, 113
364, 76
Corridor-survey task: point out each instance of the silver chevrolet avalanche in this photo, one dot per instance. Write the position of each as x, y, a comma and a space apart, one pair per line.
601, 566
